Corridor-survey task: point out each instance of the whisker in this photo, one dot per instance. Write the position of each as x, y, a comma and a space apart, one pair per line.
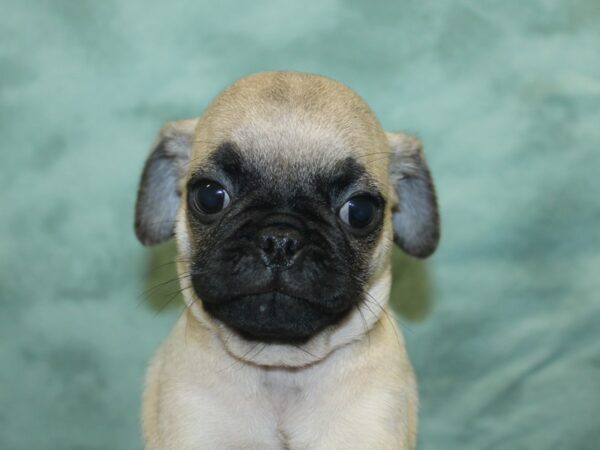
375, 153
364, 322
377, 159
369, 299
299, 347
175, 294
151, 290
389, 319
241, 359
160, 266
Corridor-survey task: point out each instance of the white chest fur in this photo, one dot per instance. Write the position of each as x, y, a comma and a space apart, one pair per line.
361, 396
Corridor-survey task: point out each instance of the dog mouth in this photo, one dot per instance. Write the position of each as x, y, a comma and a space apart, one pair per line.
275, 316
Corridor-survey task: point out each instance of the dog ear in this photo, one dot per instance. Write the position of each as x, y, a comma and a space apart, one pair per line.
415, 217
158, 194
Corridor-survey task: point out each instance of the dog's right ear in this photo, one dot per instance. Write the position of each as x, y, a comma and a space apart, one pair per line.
158, 195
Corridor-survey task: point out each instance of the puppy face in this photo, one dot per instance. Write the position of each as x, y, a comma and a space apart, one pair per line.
286, 195
280, 251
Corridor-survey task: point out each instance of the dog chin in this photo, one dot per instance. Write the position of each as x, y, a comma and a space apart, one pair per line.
291, 355
275, 317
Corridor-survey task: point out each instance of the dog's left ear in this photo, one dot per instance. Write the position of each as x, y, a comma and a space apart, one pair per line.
415, 218
158, 195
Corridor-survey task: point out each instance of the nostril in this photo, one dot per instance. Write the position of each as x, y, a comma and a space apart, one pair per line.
267, 244
291, 246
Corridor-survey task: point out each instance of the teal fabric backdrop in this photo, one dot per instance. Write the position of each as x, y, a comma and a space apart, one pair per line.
502, 324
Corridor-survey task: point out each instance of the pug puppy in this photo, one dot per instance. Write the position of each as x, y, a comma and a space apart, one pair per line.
285, 198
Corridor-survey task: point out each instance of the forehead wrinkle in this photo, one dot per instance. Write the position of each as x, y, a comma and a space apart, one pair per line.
293, 177
281, 175
336, 173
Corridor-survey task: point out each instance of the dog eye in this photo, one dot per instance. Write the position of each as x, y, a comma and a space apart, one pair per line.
359, 211
210, 197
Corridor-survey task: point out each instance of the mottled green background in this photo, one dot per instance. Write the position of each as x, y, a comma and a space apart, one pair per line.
503, 323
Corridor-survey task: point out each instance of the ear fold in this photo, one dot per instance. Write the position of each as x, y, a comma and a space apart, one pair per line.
158, 194
415, 218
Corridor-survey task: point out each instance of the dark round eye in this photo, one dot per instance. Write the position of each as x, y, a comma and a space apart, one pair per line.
210, 197
359, 211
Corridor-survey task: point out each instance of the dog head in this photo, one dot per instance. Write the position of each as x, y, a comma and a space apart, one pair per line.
285, 197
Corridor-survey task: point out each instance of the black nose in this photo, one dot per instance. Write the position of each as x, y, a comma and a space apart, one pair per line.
279, 245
